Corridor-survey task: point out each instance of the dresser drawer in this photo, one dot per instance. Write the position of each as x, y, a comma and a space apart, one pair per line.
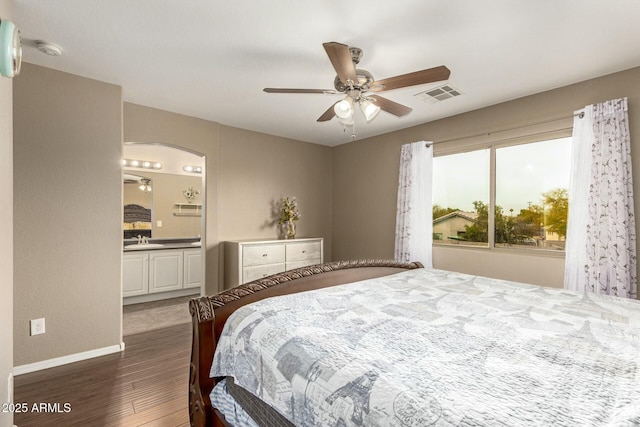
303, 251
262, 254
297, 264
258, 272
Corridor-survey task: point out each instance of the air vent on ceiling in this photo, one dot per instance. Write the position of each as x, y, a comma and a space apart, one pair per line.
439, 93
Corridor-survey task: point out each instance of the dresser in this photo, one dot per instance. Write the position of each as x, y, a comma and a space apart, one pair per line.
247, 260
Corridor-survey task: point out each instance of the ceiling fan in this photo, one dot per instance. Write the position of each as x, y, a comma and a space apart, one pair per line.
357, 84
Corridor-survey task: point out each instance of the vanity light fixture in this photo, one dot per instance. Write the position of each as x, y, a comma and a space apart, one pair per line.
144, 164
192, 169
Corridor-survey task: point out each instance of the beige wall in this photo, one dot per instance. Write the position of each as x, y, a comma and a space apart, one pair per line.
168, 191
366, 173
257, 170
67, 213
6, 232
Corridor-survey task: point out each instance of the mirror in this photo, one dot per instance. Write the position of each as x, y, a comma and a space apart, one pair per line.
171, 207
138, 201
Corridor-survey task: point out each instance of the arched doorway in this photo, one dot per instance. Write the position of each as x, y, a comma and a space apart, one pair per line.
164, 208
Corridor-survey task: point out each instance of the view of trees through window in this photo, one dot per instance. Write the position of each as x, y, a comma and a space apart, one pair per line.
460, 184
531, 200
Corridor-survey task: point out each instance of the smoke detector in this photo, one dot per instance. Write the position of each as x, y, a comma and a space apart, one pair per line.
48, 48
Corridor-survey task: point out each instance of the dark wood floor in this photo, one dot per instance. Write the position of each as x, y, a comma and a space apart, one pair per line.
146, 385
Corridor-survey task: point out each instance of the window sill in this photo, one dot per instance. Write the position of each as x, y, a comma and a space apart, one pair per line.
514, 251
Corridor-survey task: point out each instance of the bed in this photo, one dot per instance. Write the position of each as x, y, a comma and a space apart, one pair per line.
382, 343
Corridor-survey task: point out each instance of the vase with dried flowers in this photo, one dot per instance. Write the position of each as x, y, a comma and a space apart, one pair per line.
288, 216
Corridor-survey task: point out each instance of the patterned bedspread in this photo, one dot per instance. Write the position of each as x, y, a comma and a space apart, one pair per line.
429, 347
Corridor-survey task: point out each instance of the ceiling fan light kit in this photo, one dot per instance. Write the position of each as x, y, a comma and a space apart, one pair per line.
145, 186
355, 83
344, 108
369, 109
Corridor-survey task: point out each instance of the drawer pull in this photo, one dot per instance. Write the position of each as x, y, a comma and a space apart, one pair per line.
304, 252
264, 255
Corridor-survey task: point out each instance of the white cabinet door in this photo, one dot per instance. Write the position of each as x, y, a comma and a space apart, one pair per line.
192, 264
165, 271
135, 274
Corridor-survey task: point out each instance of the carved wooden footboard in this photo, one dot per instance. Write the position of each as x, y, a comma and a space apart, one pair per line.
210, 313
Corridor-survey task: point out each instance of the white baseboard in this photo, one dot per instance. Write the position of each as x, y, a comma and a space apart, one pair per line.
160, 296
58, 361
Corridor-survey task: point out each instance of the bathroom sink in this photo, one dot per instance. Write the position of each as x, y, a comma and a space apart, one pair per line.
144, 246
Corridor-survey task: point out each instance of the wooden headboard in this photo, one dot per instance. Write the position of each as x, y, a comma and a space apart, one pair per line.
209, 314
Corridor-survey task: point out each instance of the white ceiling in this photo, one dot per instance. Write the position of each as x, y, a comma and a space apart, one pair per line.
211, 59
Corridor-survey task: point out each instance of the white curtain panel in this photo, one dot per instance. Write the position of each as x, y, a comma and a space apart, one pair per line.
414, 217
601, 234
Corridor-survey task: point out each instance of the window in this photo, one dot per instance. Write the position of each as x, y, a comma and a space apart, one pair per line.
532, 181
460, 196
530, 206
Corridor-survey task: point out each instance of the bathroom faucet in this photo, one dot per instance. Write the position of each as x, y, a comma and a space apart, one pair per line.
143, 240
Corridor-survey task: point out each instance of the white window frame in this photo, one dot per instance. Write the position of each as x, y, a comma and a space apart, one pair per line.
484, 142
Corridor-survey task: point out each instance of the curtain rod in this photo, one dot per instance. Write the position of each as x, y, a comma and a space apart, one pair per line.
579, 113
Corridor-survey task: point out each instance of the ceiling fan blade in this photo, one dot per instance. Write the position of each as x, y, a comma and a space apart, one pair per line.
430, 75
341, 60
390, 106
284, 90
328, 115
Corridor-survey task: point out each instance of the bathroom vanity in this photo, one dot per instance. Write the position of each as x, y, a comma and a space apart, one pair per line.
161, 269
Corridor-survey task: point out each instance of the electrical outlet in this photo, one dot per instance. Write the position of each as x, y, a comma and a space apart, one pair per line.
37, 326
159, 223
